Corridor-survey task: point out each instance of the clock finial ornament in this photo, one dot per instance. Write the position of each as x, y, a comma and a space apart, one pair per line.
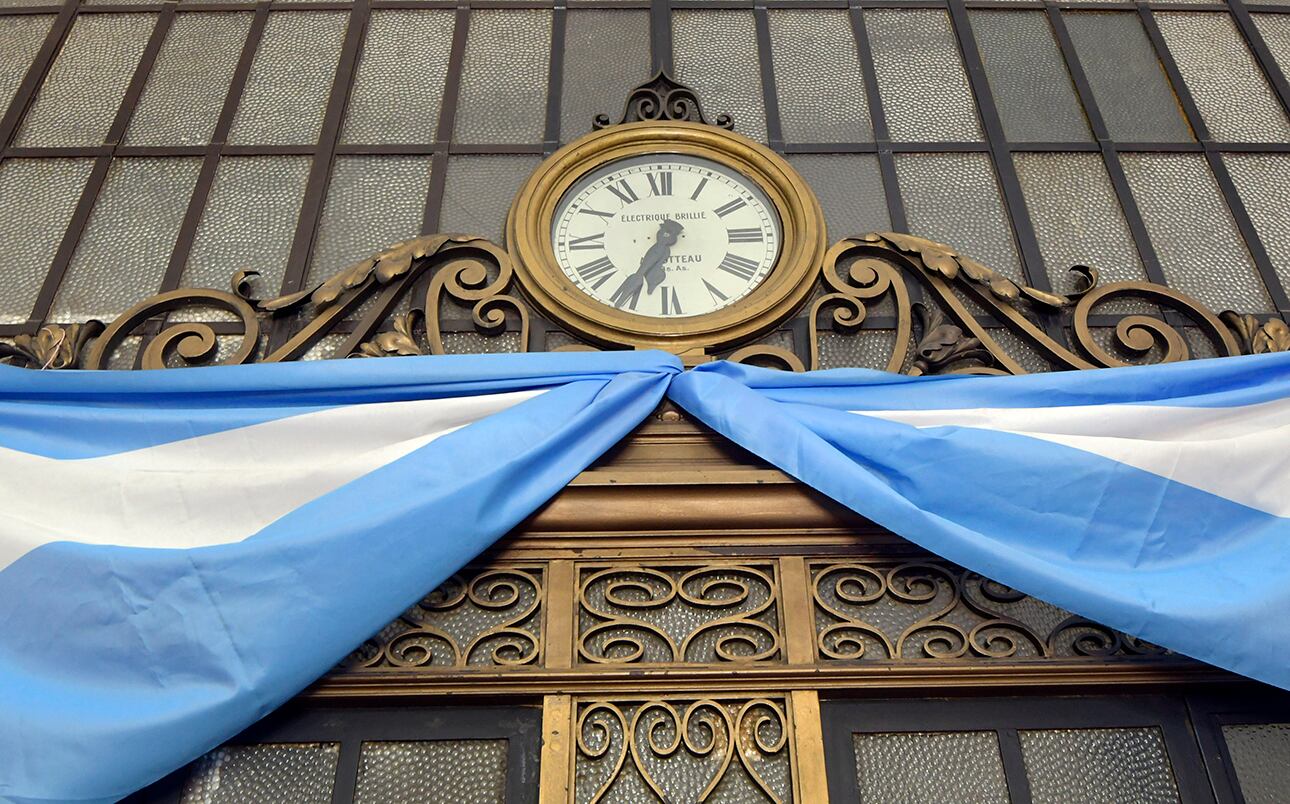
663, 99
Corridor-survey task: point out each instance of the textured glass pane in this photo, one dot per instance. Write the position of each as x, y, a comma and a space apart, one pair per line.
868, 348
849, 187
504, 77
37, 197
249, 221
1077, 218
286, 93
300, 773
1261, 756
1028, 77
1071, 766
80, 96
954, 199
433, 772
372, 202
925, 92
186, 88
606, 53
479, 191
1129, 85
929, 768
1192, 231
20, 39
127, 243
1263, 182
397, 93
817, 77
1275, 30
1227, 85
716, 54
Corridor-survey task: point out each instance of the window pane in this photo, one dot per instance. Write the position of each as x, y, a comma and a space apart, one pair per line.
1077, 218
716, 54
249, 221
286, 93
1128, 83
1227, 85
504, 77
925, 92
396, 98
372, 202
299, 773
479, 191
1263, 182
79, 98
1071, 766
20, 40
1028, 77
1261, 756
850, 190
929, 768
1192, 231
432, 772
186, 88
606, 53
37, 197
1275, 30
954, 199
817, 74
126, 245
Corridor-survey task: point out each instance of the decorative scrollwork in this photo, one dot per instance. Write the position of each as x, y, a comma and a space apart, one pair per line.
709, 614
935, 610
662, 98
677, 749
52, 347
492, 618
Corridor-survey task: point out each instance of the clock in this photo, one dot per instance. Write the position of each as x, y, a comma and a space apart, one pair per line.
667, 235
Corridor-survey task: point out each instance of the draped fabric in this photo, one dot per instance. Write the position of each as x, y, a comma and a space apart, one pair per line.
165, 536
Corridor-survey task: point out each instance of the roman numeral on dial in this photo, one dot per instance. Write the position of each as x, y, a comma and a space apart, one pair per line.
660, 183
741, 267
694, 196
592, 241
597, 272
627, 296
744, 235
725, 209
590, 211
670, 301
717, 296
624, 191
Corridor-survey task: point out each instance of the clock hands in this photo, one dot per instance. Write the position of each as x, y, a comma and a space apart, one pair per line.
651, 271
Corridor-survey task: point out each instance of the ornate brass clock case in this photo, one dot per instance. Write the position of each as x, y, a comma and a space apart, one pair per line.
528, 237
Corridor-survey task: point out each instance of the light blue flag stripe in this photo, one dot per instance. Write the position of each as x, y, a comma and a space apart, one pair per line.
1185, 568
119, 664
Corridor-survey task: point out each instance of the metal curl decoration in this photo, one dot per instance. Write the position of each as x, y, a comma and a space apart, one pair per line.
195, 344
1138, 334
679, 729
662, 98
752, 719
599, 719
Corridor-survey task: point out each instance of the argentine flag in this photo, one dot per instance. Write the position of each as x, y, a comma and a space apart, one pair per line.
1155, 499
167, 536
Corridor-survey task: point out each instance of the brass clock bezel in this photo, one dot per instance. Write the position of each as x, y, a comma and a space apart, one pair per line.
789, 282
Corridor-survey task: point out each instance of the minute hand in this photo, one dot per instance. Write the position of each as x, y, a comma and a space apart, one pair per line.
651, 272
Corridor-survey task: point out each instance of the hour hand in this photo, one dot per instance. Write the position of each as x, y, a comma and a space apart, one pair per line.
652, 263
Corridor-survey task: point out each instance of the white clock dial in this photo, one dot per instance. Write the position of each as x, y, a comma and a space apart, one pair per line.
666, 236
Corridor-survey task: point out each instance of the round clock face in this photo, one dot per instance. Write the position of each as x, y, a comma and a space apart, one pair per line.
666, 235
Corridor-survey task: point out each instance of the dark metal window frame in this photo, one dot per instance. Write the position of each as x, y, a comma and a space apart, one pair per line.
328, 146
1211, 713
520, 726
1006, 716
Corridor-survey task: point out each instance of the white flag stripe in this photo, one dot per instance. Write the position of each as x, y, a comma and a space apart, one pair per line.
218, 488
1241, 453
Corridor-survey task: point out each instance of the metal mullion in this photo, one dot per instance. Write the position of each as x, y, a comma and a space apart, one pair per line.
933, 147
766, 64
660, 36
1110, 156
555, 79
319, 173
59, 151
1240, 216
1014, 766
98, 174
390, 149
878, 120
490, 148
1032, 262
210, 164
346, 779
1258, 47
26, 91
830, 147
